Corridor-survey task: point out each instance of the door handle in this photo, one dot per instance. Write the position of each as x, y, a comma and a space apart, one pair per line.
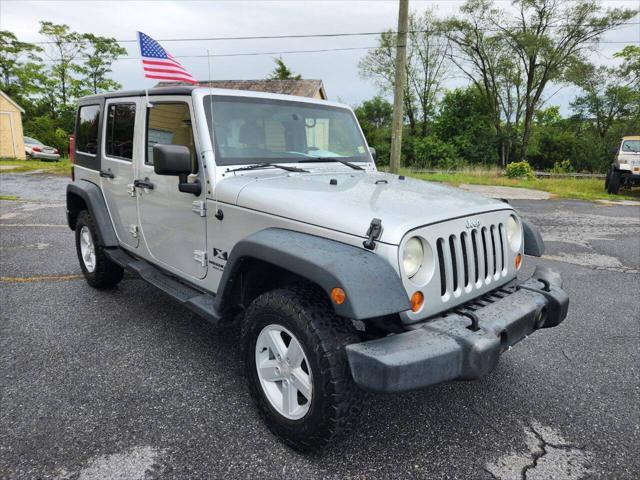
107, 173
143, 184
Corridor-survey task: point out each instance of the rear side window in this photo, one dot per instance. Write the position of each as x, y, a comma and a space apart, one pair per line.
87, 129
121, 120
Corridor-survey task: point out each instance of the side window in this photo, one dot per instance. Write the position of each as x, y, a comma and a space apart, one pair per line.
170, 124
121, 120
87, 129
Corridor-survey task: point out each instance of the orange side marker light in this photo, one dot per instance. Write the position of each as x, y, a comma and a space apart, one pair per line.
417, 299
338, 296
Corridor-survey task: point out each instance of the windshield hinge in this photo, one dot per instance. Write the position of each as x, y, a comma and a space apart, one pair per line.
200, 207
200, 256
375, 229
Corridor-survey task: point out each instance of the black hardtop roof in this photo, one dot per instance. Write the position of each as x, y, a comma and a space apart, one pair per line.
181, 90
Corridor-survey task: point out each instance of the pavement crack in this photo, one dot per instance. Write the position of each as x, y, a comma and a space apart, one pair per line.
486, 422
536, 455
542, 450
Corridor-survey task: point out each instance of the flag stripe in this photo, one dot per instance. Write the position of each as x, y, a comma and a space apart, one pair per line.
165, 70
168, 63
188, 79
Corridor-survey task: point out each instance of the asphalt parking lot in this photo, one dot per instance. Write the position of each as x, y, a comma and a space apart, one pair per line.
128, 384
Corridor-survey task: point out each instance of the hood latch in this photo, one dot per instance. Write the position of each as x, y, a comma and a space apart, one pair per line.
375, 229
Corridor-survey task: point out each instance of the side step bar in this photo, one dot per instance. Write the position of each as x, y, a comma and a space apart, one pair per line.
203, 304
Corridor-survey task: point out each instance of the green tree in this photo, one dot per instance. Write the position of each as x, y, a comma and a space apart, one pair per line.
464, 121
487, 61
539, 44
20, 67
97, 57
282, 72
610, 94
64, 47
374, 114
374, 117
426, 68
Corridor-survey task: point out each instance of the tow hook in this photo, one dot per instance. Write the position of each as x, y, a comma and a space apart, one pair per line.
375, 229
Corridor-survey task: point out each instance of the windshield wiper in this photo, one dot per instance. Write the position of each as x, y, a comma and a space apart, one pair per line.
330, 159
267, 165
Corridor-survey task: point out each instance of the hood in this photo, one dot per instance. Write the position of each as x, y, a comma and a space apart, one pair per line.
355, 199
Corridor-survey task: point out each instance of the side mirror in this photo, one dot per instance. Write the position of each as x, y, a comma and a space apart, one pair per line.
614, 150
374, 154
171, 159
175, 160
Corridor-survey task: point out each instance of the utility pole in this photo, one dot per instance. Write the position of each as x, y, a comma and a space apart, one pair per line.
398, 86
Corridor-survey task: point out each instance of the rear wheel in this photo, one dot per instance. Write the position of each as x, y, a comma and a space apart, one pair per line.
98, 270
297, 370
614, 182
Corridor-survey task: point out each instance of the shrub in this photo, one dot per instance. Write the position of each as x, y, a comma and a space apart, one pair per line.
563, 166
519, 170
431, 152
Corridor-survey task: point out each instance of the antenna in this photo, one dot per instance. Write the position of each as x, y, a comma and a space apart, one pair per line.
146, 90
218, 213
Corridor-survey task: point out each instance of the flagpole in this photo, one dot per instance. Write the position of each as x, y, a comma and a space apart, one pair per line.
146, 89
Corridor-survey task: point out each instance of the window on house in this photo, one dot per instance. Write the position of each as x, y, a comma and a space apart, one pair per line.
87, 129
121, 120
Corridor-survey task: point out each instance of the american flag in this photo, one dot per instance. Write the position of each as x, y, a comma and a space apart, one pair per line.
159, 64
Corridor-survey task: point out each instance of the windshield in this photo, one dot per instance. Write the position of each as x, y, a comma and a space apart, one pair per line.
32, 141
631, 146
255, 130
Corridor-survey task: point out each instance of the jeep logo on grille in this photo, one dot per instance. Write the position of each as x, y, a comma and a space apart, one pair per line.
472, 223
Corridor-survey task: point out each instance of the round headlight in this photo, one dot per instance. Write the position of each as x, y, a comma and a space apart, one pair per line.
514, 233
412, 256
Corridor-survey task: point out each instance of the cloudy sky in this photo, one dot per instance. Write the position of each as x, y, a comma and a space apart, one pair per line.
206, 19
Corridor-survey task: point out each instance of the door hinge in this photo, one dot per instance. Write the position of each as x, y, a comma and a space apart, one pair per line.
133, 230
200, 207
131, 190
201, 257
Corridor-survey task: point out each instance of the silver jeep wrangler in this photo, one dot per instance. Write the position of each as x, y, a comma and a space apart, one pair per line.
269, 209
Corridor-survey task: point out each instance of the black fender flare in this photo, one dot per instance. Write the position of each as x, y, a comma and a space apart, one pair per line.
373, 288
92, 197
533, 243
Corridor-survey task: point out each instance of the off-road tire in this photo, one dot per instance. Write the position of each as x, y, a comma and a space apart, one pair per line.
106, 274
337, 401
614, 183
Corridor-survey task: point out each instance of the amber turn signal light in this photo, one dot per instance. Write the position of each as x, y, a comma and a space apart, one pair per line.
338, 296
518, 261
417, 299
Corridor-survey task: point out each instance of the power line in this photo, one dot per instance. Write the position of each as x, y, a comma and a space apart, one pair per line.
288, 52
314, 35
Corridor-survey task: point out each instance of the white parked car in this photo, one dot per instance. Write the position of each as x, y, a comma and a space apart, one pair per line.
36, 149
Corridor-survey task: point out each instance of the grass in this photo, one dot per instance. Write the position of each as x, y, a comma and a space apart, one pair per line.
63, 167
577, 188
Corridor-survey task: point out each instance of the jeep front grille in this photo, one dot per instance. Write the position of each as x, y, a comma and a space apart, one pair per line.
471, 259
466, 257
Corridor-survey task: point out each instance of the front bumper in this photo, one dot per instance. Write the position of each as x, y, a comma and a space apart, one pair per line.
464, 344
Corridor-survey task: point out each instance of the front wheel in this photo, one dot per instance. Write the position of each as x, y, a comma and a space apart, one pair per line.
297, 369
614, 182
98, 269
